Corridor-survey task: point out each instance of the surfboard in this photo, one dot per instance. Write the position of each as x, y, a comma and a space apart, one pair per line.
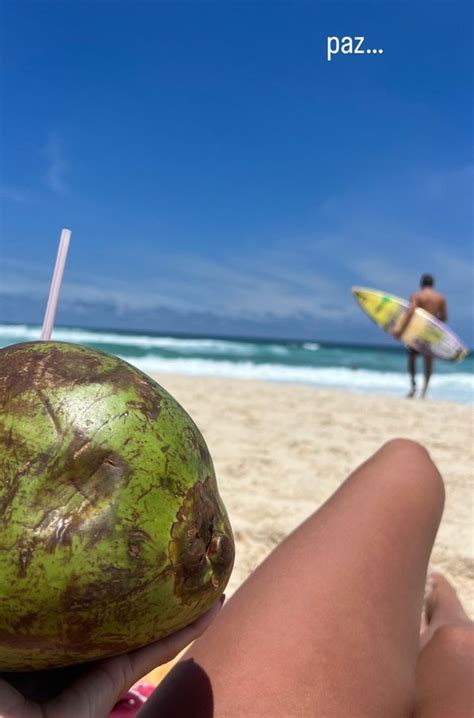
425, 333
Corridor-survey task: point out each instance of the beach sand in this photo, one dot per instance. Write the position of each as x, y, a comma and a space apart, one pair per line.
281, 450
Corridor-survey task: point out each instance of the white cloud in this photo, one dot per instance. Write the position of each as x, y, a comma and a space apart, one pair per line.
57, 166
13, 194
254, 288
29, 280
253, 284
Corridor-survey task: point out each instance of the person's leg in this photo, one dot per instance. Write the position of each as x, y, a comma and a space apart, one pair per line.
428, 363
328, 625
411, 363
445, 668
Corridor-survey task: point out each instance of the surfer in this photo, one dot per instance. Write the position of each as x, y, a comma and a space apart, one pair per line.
435, 303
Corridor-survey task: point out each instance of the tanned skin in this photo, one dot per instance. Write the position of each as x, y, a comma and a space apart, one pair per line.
435, 303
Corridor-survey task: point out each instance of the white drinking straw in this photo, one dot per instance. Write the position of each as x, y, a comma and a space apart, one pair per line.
51, 307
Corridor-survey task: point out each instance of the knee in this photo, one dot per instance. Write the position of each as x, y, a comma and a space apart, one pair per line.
409, 453
455, 640
406, 446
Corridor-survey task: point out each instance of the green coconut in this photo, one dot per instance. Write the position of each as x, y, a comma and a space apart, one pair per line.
112, 530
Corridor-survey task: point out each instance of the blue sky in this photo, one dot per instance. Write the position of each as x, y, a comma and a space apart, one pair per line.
219, 175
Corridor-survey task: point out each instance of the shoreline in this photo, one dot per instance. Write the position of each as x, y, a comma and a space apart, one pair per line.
323, 389
366, 369
280, 450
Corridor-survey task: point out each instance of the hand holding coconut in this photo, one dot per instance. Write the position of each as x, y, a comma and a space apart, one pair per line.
113, 533
92, 690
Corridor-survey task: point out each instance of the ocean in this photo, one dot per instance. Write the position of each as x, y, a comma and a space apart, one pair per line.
363, 369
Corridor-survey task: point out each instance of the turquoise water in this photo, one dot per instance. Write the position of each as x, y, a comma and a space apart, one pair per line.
380, 370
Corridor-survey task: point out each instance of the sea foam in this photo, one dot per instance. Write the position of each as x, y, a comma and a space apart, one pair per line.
378, 370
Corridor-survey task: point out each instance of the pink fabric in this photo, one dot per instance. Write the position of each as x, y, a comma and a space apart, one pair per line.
131, 702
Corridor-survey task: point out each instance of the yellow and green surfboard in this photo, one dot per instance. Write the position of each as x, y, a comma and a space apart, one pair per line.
425, 333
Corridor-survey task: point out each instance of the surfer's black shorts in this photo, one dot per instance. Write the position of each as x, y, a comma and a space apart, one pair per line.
412, 352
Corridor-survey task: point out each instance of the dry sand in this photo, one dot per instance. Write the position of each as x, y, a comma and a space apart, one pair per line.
280, 450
